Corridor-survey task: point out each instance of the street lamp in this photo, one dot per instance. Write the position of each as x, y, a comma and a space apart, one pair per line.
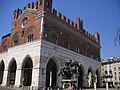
108, 77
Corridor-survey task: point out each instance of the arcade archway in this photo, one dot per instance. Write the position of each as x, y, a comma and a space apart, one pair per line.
90, 77
51, 74
81, 77
11, 72
98, 78
27, 72
2, 66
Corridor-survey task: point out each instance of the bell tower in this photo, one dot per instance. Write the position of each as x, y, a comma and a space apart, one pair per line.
45, 5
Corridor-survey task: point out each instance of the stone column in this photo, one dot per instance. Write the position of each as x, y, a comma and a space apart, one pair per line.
42, 78
94, 85
59, 78
35, 73
5, 78
18, 80
35, 78
85, 81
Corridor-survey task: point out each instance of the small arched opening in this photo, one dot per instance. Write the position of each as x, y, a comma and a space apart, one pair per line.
27, 72
11, 72
2, 67
98, 78
51, 74
90, 77
81, 76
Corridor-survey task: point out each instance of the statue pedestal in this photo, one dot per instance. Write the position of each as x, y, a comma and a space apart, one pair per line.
68, 84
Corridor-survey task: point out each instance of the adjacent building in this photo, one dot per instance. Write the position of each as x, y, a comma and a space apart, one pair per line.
111, 67
40, 41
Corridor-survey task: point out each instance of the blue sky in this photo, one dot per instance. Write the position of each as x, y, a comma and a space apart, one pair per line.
101, 16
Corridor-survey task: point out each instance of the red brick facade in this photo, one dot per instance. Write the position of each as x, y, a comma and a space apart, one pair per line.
57, 29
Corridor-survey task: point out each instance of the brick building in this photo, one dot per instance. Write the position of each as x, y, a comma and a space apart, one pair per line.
41, 40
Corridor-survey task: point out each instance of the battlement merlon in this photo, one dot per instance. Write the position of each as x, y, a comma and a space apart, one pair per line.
46, 5
77, 25
39, 6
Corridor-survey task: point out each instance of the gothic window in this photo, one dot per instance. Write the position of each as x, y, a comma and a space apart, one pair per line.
77, 44
16, 40
54, 39
78, 50
91, 55
66, 37
30, 34
30, 37
4, 47
22, 33
67, 45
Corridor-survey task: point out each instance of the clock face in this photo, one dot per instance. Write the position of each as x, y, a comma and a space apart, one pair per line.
24, 22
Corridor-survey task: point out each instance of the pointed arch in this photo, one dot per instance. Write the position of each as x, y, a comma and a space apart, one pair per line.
98, 78
16, 39
11, 72
30, 34
90, 77
25, 59
81, 76
54, 58
2, 67
26, 75
51, 73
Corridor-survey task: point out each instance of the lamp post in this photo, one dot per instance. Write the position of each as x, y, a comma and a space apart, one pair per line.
108, 77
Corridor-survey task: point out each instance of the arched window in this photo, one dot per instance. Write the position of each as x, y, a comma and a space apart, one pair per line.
2, 67
90, 77
51, 74
54, 37
67, 39
16, 39
4, 45
11, 72
27, 72
66, 44
30, 35
81, 76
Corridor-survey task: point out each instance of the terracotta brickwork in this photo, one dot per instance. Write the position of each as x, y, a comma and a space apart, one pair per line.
57, 29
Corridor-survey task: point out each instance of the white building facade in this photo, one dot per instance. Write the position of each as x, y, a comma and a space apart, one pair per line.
30, 59
111, 67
